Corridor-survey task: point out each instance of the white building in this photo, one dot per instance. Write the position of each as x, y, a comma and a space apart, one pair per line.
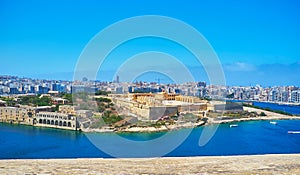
295, 96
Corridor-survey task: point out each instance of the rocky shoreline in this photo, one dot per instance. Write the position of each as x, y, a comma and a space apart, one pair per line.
148, 129
270, 116
188, 125
254, 164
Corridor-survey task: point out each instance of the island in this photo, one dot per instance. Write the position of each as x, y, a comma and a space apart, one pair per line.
132, 112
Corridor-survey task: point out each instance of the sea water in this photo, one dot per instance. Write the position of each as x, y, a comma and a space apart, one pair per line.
248, 138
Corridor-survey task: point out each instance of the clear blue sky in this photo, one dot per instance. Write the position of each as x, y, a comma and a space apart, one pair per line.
258, 42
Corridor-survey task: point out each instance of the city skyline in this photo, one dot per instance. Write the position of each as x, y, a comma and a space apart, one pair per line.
144, 78
255, 41
11, 85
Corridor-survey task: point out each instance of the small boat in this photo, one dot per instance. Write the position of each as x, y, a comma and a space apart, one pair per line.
293, 132
233, 125
273, 123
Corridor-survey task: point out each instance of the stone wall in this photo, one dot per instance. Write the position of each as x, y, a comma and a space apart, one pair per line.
192, 107
157, 112
228, 107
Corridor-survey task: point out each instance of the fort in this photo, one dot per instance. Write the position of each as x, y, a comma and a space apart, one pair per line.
144, 107
148, 106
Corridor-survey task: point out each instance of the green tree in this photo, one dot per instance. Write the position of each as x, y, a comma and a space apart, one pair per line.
100, 92
35, 100
262, 114
101, 99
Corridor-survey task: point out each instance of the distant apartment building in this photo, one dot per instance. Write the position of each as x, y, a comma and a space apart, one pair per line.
118, 79
295, 96
119, 90
134, 89
55, 87
13, 90
42, 89
31, 89
201, 84
58, 87
83, 88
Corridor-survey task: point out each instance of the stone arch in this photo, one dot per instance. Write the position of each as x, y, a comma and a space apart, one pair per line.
44, 121
60, 123
40, 121
52, 122
56, 122
69, 124
48, 122
65, 123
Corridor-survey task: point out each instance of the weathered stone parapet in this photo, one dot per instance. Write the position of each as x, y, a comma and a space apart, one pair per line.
285, 164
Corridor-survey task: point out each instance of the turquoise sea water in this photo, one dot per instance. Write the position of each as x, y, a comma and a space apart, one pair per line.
292, 109
253, 137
